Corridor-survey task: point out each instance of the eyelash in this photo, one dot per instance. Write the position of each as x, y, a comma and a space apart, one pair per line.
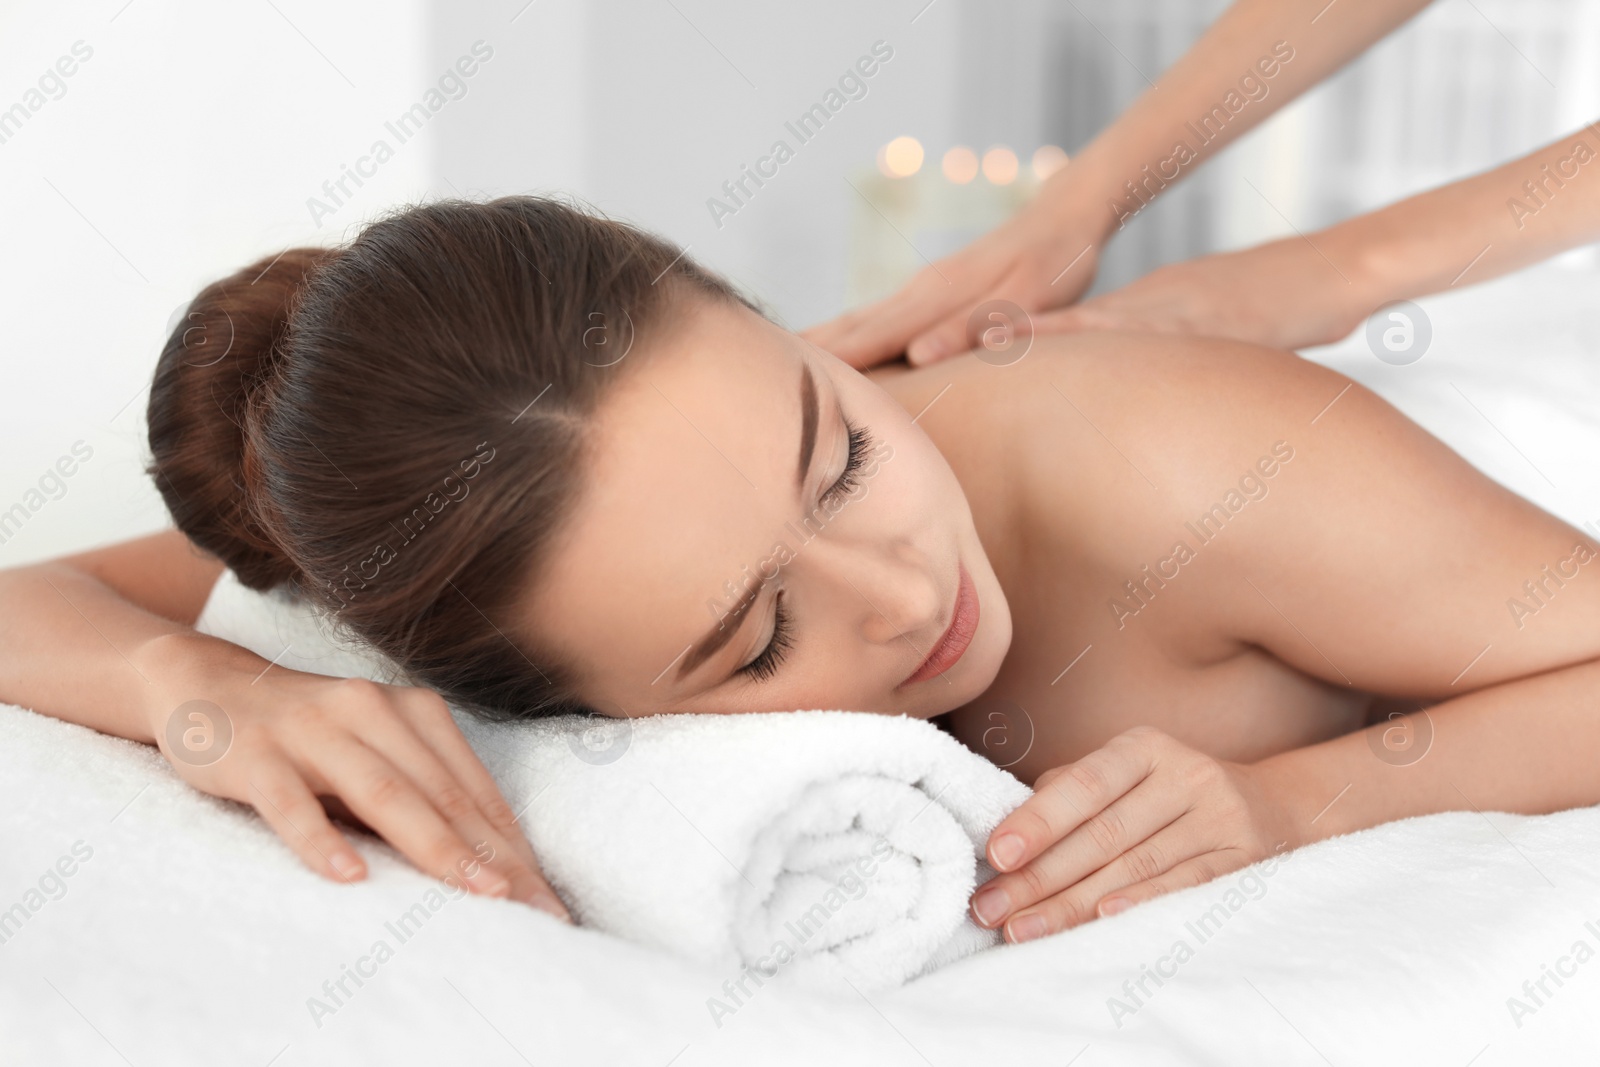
766, 664
860, 445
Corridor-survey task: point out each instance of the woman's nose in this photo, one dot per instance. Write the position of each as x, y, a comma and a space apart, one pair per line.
898, 593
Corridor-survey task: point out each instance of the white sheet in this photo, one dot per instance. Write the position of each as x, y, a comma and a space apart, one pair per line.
191, 936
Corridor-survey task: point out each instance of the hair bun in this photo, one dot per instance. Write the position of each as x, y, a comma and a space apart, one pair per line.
211, 383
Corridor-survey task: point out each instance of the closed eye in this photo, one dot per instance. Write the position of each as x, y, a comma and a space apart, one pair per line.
770, 658
766, 664
860, 447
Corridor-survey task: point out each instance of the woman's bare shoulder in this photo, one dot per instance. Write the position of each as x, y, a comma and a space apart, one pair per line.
1165, 410
1113, 440
1182, 373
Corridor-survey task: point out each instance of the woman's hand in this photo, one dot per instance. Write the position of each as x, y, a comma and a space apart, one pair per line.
1284, 294
1043, 257
1140, 817
283, 741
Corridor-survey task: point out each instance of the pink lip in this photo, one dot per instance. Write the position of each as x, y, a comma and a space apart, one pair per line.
963, 625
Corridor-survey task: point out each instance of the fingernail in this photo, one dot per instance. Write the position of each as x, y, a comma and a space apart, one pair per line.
1112, 905
991, 905
1026, 928
1005, 851
547, 903
489, 884
348, 866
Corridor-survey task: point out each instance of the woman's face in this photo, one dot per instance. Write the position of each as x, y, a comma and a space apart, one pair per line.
724, 492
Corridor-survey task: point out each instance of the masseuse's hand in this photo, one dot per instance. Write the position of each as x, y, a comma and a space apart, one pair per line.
1284, 294
282, 741
1142, 816
1043, 257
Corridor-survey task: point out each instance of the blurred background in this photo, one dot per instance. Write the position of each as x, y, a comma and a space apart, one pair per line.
193, 138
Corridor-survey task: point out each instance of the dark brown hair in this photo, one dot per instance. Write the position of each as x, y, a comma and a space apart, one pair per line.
396, 428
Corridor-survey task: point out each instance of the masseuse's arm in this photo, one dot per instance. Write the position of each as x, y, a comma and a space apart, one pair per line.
1354, 547
1256, 57
106, 639
1316, 288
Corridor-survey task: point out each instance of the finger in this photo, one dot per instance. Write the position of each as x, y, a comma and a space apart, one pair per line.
1103, 839
1174, 845
839, 347
834, 340
339, 812
1193, 872
864, 351
294, 813
431, 718
389, 801
395, 741
842, 337
1075, 319
946, 339
406, 750
964, 329
823, 334
884, 328
1172, 849
1064, 802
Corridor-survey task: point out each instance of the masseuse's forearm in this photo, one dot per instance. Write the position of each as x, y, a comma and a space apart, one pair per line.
1530, 746
1470, 231
73, 648
1202, 103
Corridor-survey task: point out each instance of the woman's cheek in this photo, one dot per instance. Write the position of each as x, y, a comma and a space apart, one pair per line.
920, 473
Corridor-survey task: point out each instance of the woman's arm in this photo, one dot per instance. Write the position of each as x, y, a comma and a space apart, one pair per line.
1528, 746
1315, 289
105, 639
1371, 557
1258, 56
71, 628
1394, 566
1145, 814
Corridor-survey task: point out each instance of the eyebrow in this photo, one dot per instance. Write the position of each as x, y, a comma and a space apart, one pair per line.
720, 634
808, 424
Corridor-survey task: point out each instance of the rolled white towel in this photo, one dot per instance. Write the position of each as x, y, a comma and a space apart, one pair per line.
820, 843
817, 845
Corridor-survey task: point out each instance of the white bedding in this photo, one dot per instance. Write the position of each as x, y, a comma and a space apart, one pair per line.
190, 935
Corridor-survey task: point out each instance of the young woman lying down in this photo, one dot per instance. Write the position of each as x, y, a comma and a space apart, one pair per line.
547, 463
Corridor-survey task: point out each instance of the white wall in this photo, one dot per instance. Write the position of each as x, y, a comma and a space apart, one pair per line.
681, 95
186, 146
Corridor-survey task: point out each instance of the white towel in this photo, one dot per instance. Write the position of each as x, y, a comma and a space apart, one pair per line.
808, 845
